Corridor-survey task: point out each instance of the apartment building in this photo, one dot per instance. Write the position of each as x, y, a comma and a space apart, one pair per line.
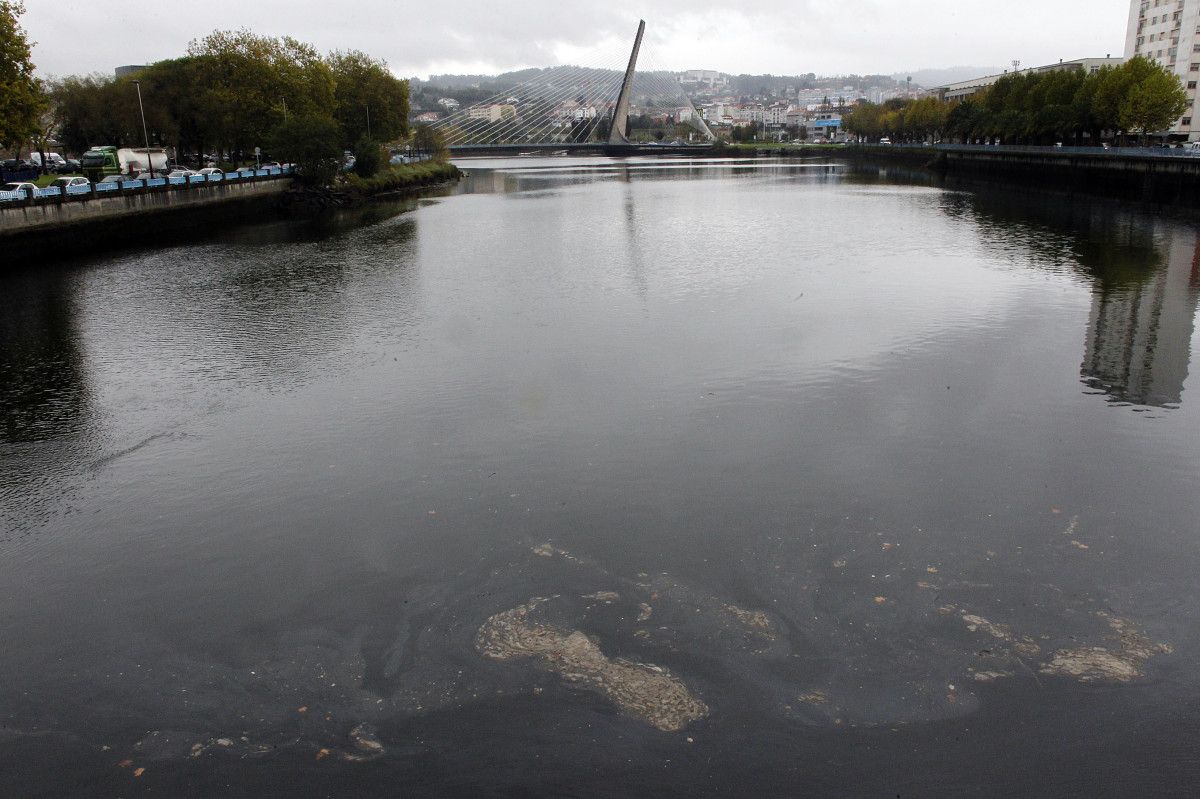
1168, 32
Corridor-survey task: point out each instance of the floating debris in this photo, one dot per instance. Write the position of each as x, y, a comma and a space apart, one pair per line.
1123, 663
603, 596
644, 690
1022, 645
366, 743
991, 676
816, 697
644, 612
755, 621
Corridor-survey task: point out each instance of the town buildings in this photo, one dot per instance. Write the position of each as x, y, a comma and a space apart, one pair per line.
1168, 32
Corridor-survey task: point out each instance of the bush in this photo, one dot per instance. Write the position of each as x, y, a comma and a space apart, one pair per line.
368, 158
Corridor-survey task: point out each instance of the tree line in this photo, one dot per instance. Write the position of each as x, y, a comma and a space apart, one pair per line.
231, 92
1138, 98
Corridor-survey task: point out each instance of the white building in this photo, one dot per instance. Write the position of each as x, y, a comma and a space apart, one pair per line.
1168, 32
705, 78
776, 115
492, 113
964, 89
448, 103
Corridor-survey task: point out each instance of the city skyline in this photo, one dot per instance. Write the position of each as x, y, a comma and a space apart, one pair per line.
483, 38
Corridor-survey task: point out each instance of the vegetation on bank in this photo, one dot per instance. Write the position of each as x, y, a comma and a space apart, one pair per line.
1137, 98
403, 176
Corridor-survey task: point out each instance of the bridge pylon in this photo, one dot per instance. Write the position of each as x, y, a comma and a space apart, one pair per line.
620, 120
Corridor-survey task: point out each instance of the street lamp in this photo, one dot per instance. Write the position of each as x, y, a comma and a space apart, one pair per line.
368, 120
146, 134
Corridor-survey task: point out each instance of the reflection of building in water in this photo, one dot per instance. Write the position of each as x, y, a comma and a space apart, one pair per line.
1139, 334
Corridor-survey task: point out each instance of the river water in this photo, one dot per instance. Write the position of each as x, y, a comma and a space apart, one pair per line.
610, 478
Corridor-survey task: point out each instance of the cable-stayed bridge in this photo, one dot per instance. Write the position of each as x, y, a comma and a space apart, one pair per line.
586, 108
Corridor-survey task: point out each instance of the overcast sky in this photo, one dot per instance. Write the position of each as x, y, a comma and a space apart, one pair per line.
485, 36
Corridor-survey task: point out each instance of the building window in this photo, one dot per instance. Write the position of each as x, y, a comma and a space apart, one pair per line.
1194, 68
1191, 84
1186, 121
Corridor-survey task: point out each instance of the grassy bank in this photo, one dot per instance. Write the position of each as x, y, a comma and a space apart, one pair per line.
404, 176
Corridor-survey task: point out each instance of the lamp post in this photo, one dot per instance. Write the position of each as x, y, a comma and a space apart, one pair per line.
368, 105
145, 133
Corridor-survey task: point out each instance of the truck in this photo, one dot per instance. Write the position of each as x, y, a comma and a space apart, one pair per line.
108, 160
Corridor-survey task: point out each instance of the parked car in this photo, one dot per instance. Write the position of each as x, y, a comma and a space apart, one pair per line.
28, 189
211, 170
68, 167
182, 173
117, 179
885, 140
65, 183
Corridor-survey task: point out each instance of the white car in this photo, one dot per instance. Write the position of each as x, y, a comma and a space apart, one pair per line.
66, 183
211, 170
28, 189
182, 173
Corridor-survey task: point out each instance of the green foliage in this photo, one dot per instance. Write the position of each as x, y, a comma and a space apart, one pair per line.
429, 142
313, 144
1154, 100
405, 176
21, 97
1137, 97
368, 157
232, 92
365, 89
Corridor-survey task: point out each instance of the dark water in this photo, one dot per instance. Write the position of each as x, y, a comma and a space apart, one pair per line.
878, 458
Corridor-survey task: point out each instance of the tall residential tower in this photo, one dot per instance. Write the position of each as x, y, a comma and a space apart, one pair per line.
1168, 32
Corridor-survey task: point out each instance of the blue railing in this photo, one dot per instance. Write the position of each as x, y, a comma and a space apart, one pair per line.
80, 192
1032, 149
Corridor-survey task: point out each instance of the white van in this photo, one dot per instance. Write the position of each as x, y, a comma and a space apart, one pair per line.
1193, 147
54, 159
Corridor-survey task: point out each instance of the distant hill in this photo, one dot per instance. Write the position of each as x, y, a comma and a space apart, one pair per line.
930, 78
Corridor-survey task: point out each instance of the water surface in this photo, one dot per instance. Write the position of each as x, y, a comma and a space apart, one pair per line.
859, 463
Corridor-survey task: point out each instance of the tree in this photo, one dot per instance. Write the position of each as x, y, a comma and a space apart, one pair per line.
1152, 103
364, 89
426, 141
252, 83
21, 97
313, 143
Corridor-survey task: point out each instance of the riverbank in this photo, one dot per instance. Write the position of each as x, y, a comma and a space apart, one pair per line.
1144, 176
52, 231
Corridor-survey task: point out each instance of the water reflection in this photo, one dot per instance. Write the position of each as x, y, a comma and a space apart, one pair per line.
1141, 324
1145, 278
43, 389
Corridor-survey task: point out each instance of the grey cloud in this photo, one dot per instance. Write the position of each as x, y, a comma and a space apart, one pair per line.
771, 35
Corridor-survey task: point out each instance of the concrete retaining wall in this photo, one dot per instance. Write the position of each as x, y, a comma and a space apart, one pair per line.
1153, 179
135, 207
